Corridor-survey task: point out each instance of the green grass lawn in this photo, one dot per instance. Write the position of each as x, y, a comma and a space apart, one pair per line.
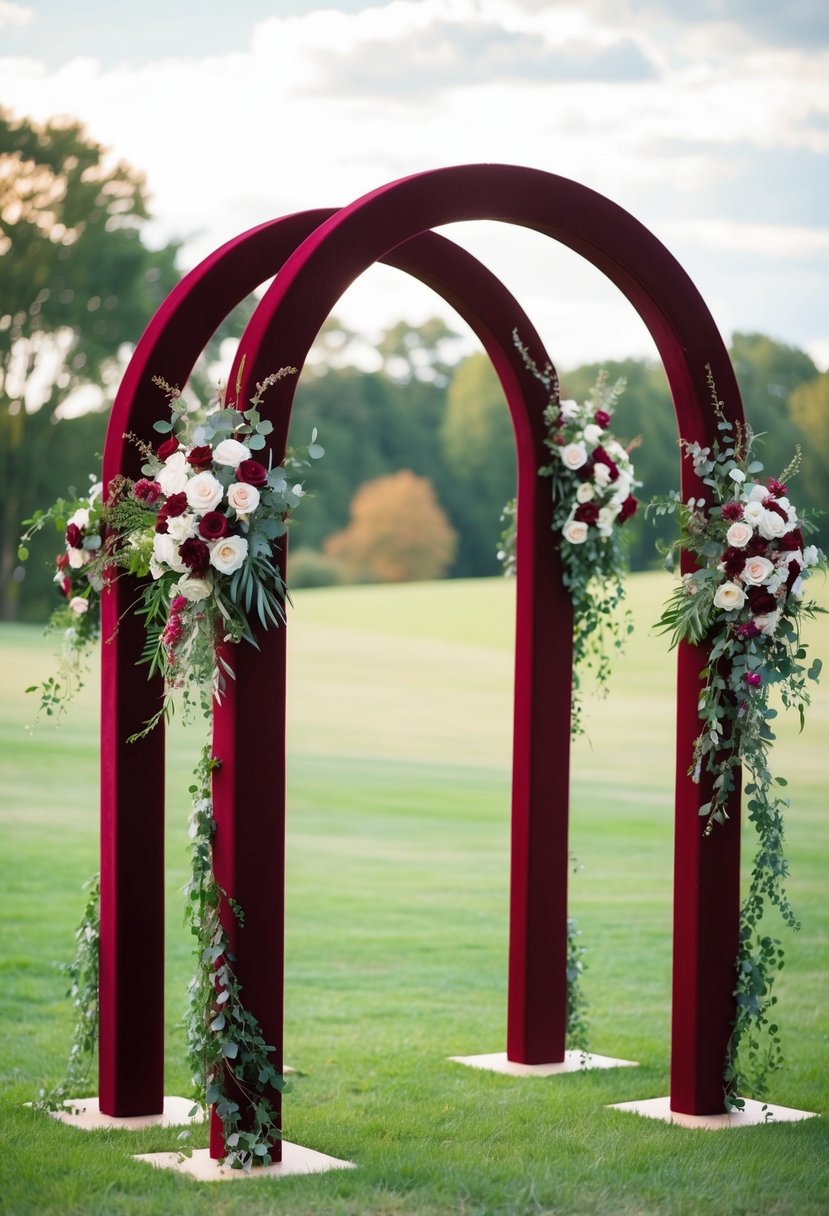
397, 935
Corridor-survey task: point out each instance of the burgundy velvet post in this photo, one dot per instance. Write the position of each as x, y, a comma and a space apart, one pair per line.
287, 320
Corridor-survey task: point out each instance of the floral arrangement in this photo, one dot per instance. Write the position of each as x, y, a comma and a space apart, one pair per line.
745, 601
199, 531
592, 482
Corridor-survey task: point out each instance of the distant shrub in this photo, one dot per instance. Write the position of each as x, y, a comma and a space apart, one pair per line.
310, 568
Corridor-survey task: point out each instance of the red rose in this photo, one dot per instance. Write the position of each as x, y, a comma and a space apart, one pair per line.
213, 525
601, 418
761, 601
167, 448
74, 536
587, 513
733, 561
200, 458
754, 679
793, 575
161, 521
628, 508
66, 586
756, 547
252, 472
195, 555
789, 542
175, 505
62, 561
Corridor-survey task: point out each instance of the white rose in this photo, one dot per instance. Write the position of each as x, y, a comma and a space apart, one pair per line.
739, 534
772, 526
811, 555
575, 530
204, 492
615, 449
80, 519
243, 498
573, 455
729, 595
229, 553
601, 475
181, 527
757, 571
769, 622
585, 492
193, 588
165, 552
621, 489
78, 604
753, 511
568, 409
592, 433
174, 475
230, 452
78, 557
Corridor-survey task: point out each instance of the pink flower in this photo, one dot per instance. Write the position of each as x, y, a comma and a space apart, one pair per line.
754, 679
777, 488
146, 491
178, 604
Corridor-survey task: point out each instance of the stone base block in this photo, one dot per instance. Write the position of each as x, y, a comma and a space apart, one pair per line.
204, 1168
86, 1114
752, 1114
574, 1061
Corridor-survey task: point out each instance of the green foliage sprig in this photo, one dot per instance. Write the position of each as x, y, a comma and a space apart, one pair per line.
229, 1058
745, 602
83, 989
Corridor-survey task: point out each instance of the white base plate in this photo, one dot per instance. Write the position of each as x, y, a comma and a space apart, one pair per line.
203, 1167
574, 1061
86, 1114
752, 1114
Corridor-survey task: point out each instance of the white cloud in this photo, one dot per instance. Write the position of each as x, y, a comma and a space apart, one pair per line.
14, 16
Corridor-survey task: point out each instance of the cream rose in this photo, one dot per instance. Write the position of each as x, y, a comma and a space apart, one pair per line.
575, 531
79, 605
181, 527
204, 492
592, 433
194, 589
601, 475
78, 557
585, 492
230, 452
757, 571
739, 534
229, 553
729, 596
772, 526
173, 477
243, 498
165, 552
573, 455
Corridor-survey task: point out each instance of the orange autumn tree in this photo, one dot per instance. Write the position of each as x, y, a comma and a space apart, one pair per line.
398, 532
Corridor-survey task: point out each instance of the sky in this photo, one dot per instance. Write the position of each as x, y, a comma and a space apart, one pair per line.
708, 120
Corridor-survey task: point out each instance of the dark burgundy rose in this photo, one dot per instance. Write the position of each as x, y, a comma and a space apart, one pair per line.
252, 473
587, 513
213, 525
201, 457
789, 542
167, 448
600, 456
146, 491
771, 504
176, 505
761, 601
559, 440
732, 510
733, 562
795, 570
748, 630
195, 555
628, 508
161, 520
585, 473
601, 418
74, 536
757, 547
777, 488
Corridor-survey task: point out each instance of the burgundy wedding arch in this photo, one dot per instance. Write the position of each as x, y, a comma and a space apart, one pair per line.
317, 255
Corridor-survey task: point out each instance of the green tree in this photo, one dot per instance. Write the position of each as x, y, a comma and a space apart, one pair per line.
809, 405
77, 284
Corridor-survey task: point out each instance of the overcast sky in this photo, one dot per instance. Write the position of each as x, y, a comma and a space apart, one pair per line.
707, 119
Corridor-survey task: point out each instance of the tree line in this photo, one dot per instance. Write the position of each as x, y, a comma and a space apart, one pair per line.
419, 453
